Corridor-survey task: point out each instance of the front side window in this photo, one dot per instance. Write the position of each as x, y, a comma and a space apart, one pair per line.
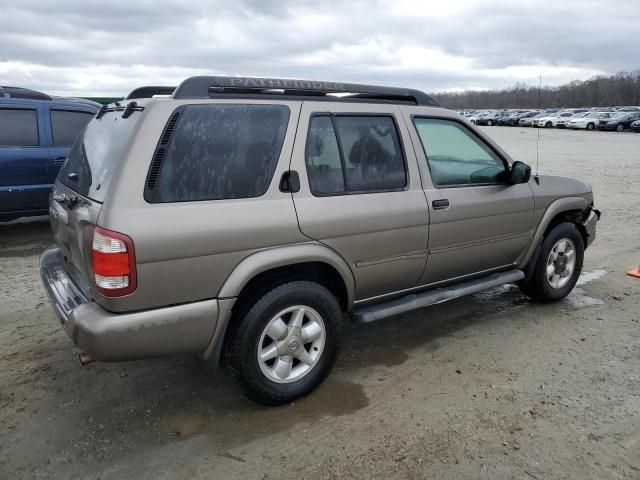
67, 125
221, 152
455, 155
354, 153
18, 127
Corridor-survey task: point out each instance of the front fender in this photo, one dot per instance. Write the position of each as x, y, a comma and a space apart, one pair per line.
558, 206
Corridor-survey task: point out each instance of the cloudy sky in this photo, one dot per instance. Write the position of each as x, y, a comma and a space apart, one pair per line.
108, 47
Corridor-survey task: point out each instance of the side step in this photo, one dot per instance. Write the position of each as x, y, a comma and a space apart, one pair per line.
371, 313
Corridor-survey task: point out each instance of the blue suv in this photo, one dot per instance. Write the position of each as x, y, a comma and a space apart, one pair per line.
36, 133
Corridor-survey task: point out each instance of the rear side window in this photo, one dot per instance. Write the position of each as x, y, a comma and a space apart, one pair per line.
219, 152
353, 153
67, 125
18, 127
96, 154
455, 155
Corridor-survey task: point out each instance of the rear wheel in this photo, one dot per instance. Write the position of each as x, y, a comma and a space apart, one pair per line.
620, 127
489, 123
285, 344
558, 266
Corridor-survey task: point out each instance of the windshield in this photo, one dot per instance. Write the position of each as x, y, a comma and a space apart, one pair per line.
96, 153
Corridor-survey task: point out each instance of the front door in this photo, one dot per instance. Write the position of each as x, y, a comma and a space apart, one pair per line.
360, 192
478, 221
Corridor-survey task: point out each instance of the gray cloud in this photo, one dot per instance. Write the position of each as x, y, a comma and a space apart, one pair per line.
97, 47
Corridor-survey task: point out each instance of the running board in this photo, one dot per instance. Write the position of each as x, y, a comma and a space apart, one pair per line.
414, 301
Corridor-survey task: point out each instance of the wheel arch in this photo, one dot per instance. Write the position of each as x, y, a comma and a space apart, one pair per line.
256, 273
564, 209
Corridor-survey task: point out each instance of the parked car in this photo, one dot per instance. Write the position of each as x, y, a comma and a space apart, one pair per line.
528, 121
549, 121
514, 120
635, 126
620, 122
589, 120
492, 118
294, 210
563, 121
36, 132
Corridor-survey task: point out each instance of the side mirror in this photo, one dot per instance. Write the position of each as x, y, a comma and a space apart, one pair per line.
520, 173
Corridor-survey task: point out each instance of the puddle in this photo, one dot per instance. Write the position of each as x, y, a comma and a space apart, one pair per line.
246, 421
578, 297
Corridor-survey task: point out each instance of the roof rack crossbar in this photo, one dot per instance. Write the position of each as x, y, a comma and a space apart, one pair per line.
202, 86
150, 91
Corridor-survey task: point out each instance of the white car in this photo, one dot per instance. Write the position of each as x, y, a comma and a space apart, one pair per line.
589, 121
563, 122
551, 120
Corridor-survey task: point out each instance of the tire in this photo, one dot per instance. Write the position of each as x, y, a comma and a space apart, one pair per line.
590, 126
489, 123
620, 127
548, 125
540, 286
259, 380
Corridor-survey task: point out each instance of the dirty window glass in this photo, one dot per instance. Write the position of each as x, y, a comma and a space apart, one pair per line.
324, 167
222, 152
362, 154
372, 155
18, 128
96, 153
455, 155
66, 126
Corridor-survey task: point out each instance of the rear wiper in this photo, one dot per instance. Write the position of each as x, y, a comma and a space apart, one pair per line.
130, 108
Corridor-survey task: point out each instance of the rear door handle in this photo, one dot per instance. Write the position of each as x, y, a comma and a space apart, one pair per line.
441, 204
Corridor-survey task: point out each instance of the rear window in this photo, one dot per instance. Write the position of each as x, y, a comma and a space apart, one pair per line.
66, 126
218, 152
96, 153
18, 127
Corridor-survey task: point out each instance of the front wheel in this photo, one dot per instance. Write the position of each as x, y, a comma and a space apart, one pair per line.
558, 266
590, 126
620, 128
285, 344
489, 123
548, 125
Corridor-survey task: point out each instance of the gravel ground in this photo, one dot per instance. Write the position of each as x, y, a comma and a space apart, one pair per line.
490, 386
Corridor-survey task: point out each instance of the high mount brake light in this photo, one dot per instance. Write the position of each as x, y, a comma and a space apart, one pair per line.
114, 263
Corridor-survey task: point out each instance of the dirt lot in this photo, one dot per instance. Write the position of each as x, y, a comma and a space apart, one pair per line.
491, 386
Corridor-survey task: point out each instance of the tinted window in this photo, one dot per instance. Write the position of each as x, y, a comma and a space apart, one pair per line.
66, 126
324, 167
96, 153
18, 127
362, 153
221, 152
455, 155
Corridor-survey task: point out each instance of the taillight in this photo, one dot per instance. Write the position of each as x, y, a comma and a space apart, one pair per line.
114, 263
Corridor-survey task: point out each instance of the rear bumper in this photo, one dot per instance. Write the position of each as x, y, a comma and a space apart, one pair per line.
590, 226
107, 336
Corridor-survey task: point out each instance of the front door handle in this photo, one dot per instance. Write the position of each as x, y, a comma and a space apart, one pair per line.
441, 204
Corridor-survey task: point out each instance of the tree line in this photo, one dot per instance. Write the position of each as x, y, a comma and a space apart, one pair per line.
620, 89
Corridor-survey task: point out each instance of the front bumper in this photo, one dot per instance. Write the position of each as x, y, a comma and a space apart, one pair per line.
107, 336
590, 225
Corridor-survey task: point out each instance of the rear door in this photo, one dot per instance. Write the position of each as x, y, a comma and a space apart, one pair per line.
24, 180
360, 192
478, 222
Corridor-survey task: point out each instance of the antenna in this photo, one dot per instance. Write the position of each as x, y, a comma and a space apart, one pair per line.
537, 177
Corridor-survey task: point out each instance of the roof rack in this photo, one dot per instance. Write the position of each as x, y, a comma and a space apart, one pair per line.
150, 91
18, 92
203, 86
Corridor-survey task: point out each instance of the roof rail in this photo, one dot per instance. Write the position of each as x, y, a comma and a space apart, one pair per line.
148, 92
203, 86
19, 92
